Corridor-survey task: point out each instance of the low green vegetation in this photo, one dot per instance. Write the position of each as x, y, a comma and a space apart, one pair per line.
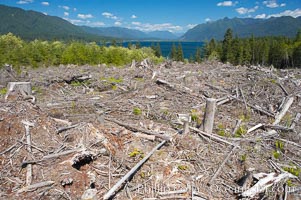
137, 111
3, 91
240, 131
136, 152
281, 52
37, 53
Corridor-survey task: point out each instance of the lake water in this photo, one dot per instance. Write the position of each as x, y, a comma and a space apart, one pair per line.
189, 48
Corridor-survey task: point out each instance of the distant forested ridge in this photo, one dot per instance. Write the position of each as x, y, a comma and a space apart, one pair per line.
279, 51
30, 25
244, 27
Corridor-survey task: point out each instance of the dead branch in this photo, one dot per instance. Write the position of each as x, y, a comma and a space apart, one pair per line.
283, 111
113, 190
35, 186
222, 165
28, 140
265, 181
62, 129
297, 118
135, 129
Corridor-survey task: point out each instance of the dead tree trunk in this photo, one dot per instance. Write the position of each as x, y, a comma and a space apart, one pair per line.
209, 115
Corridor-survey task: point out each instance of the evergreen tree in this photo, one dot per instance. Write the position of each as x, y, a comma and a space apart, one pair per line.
158, 51
173, 53
180, 55
227, 54
198, 58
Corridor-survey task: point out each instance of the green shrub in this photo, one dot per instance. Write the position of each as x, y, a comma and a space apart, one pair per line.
137, 111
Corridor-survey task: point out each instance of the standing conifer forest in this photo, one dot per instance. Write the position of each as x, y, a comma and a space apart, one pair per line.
281, 52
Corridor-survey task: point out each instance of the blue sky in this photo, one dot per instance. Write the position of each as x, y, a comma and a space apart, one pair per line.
150, 15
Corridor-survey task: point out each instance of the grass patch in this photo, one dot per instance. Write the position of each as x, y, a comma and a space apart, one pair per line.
136, 152
241, 131
3, 91
112, 80
137, 111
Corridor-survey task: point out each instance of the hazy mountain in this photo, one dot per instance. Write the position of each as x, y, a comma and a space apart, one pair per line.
35, 25
244, 27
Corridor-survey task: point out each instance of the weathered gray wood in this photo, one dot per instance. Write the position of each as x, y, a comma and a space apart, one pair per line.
28, 140
113, 190
283, 111
136, 129
209, 115
186, 119
18, 86
36, 186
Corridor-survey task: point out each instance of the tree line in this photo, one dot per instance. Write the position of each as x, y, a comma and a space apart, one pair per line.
279, 51
36, 53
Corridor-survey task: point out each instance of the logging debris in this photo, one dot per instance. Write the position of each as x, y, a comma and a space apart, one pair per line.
98, 132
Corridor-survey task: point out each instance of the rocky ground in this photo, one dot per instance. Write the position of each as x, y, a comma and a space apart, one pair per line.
91, 125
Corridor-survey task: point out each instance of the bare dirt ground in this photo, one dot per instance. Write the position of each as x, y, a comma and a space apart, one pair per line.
92, 124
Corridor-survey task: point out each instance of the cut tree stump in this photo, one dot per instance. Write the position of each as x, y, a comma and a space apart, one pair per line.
209, 115
18, 86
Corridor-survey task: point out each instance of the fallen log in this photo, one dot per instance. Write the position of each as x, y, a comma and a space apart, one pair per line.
113, 190
35, 186
136, 129
265, 181
283, 111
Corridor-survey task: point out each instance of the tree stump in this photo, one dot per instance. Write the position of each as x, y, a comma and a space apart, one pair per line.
209, 115
23, 87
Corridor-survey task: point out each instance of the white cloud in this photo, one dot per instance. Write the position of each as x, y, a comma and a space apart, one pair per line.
24, 1
136, 23
227, 3
273, 4
66, 14
75, 21
65, 7
96, 24
207, 19
45, 3
191, 25
147, 27
134, 17
292, 13
243, 10
117, 23
83, 16
109, 15
262, 16
74, 9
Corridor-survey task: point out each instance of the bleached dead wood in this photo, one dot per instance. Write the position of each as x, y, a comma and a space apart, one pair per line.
136, 129
117, 186
254, 128
283, 111
238, 122
186, 119
18, 86
209, 115
28, 140
62, 129
222, 165
297, 118
145, 136
35, 186
265, 181
212, 136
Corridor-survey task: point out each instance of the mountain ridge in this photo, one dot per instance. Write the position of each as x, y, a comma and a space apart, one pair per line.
244, 27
